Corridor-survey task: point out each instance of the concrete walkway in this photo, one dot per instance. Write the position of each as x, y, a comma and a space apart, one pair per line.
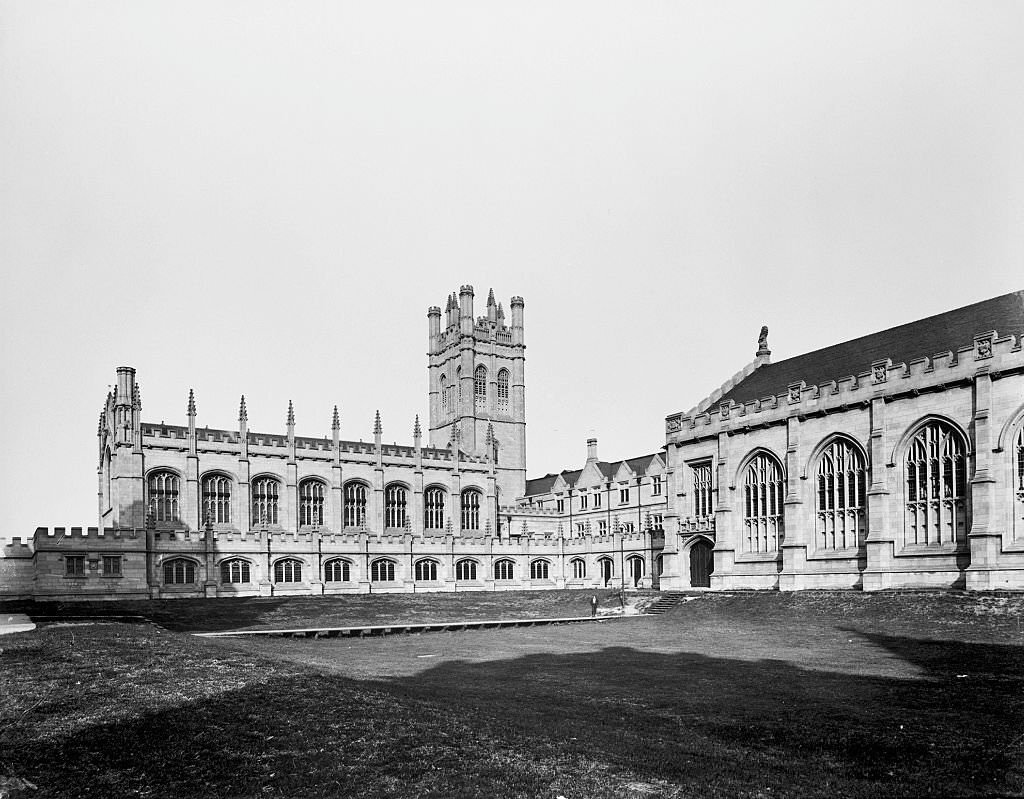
397, 628
15, 623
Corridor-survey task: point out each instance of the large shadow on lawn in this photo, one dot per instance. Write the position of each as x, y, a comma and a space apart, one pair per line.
518, 727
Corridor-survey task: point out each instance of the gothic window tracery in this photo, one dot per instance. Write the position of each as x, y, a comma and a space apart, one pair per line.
426, 570
382, 570
465, 569
841, 484
470, 509
936, 486
394, 507
579, 568
164, 488
265, 491
433, 509
762, 504
337, 570
288, 570
444, 395
703, 499
354, 510
503, 390
1018, 485
504, 569
311, 503
235, 570
539, 569
480, 386
179, 571
216, 499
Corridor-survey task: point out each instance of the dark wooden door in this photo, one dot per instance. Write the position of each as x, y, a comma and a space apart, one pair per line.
702, 564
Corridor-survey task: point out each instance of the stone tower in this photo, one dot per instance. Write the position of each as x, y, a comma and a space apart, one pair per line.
477, 380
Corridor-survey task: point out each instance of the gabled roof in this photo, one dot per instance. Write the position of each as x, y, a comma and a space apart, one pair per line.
921, 339
543, 485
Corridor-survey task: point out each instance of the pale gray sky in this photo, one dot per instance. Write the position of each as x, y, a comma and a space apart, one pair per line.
265, 198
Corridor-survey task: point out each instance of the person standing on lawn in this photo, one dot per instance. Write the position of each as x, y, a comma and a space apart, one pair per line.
593, 606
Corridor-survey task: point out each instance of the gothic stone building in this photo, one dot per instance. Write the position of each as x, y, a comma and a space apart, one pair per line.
189, 511
892, 460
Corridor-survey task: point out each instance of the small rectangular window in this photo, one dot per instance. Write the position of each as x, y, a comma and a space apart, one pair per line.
580, 527
623, 496
561, 506
111, 565
602, 527
656, 485
74, 565
583, 501
627, 527
597, 500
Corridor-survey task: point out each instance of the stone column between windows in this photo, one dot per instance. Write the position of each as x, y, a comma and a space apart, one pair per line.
456, 501
289, 512
726, 528
794, 524
985, 538
881, 539
416, 510
337, 498
191, 510
377, 511
242, 505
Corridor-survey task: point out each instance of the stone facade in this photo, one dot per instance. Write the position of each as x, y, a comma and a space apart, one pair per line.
907, 472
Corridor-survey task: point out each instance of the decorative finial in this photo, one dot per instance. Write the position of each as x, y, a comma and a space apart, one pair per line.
416, 431
335, 421
191, 409
243, 413
490, 434
377, 429
762, 342
291, 413
137, 398
99, 427
490, 297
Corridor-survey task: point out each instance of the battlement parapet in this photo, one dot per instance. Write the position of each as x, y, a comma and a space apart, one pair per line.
18, 549
885, 378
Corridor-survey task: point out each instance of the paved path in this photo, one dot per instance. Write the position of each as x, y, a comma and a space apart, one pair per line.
15, 623
394, 628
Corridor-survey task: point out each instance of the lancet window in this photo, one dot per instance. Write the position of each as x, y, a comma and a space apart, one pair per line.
503, 389
703, 499
762, 504
936, 474
311, 503
265, 491
480, 386
216, 499
841, 520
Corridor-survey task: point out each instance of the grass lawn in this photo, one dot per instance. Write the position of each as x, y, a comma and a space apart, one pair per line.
743, 695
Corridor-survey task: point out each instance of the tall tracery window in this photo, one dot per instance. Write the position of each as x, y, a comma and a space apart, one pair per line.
703, 501
1018, 485
579, 568
433, 509
163, 496
382, 570
458, 379
311, 503
288, 570
936, 475
394, 507
480, 386
216, 499
444, 394
503, 389
470, 509
355, 505
265, 492
841, 521
762, 504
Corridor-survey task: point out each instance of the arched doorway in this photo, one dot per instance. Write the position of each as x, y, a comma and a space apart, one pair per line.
702, 564
636, 569
606, 570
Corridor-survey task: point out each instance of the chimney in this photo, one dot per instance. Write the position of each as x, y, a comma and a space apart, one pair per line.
591, 450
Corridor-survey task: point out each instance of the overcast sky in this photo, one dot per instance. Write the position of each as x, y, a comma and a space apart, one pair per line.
264, 198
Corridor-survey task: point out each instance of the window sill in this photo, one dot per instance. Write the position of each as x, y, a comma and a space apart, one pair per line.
758, 557
76, 577
112, 576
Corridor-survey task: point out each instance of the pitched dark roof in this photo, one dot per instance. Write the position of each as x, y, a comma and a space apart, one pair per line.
542, 485
921, 339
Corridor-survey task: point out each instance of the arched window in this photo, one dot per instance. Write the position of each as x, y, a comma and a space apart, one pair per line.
216, 499
504, 569
465, 569
458, 380
503, 389
433, 509
265, 492
635, 566
394, 507
539, 569
163, 496
382, 570
762, 504
936, 486
288, 570
1018, 485
579, 568
355, 505
607, 569
337, 570
841, 489
426, 570
444, 394
311, 503
179, 571
470, 509
480, 386
703, 501
235, 570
